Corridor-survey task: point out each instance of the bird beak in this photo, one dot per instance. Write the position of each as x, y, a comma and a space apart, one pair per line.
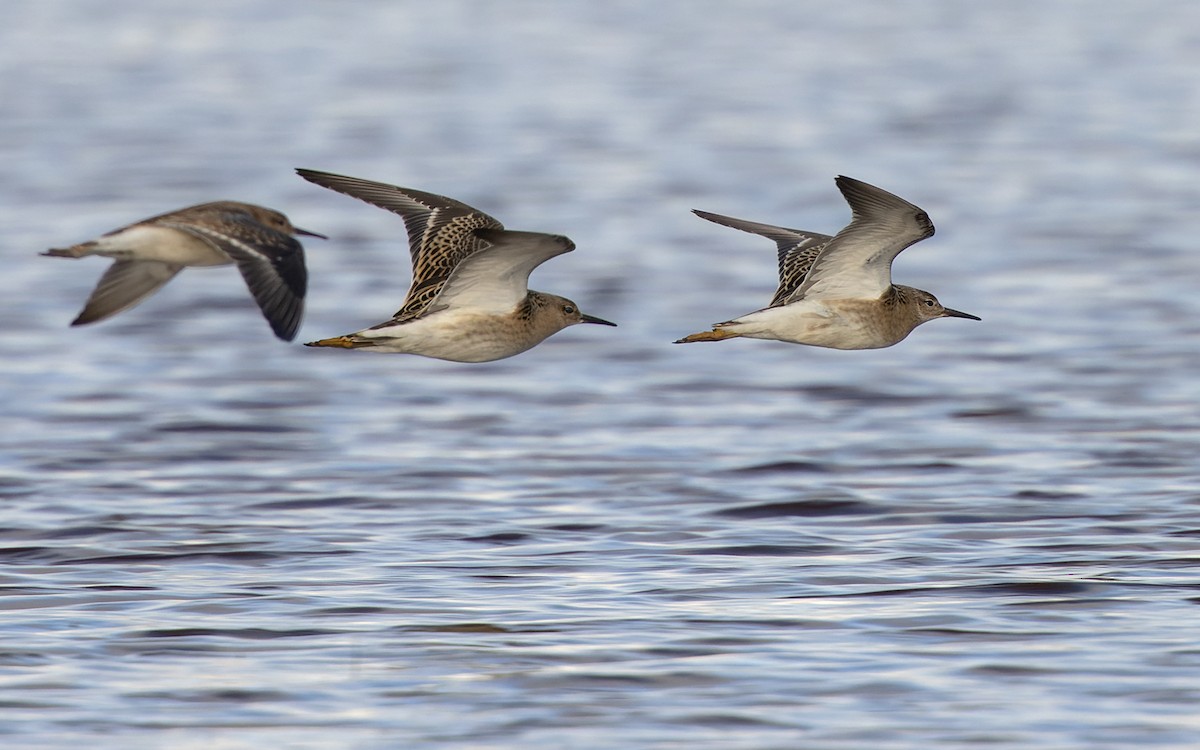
594, 319
948, 313
306, 233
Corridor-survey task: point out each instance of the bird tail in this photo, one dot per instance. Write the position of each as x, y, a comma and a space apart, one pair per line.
343, 342
74, 251
715, 334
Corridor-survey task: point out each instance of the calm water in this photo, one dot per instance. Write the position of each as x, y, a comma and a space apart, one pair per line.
988, 535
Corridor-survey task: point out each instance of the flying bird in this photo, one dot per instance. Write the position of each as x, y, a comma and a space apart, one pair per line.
148, 254
837, 291
469, 300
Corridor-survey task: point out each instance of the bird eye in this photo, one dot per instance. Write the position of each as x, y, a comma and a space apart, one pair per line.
568, 309
929, 303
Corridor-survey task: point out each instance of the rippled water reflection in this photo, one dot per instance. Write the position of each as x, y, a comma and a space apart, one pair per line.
985, 535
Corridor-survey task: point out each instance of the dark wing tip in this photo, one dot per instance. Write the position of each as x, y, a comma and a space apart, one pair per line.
850, 183
565, 241
852, 187
315, 176
858, 192
868, 201
284, 318
278, 288
342, 183
282, 309
710, 216
496, 235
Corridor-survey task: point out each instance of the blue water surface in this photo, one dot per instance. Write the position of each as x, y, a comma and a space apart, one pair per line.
988, 535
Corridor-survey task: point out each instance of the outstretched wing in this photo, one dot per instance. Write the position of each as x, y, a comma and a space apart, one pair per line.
797, 249
496, 279
857, 262
440, 231
123, 285
271, 262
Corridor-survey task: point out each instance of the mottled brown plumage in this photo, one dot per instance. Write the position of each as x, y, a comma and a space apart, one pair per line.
837, 291
147, 254
469, 300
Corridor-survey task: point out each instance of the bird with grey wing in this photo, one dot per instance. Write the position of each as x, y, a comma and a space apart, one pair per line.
148, 254
469, 299
837, 291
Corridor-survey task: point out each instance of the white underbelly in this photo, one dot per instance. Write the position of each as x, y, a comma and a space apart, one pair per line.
814, 324
160, 244
457, 336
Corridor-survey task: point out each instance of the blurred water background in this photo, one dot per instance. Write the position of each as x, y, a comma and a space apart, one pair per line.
988, 535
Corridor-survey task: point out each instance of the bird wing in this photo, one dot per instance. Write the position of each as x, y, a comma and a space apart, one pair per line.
440, 232
857, 262
496, 279
271, 262
797, 249
123, 285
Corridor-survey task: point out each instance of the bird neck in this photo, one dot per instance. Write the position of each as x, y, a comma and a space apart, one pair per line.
901, 301
528, 308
